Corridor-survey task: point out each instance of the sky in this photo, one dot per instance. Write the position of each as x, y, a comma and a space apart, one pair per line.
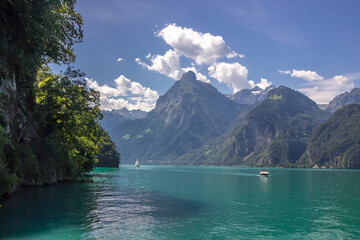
133, 51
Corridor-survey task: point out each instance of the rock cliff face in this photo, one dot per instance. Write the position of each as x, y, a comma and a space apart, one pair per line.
345, 98
185, 117
275, 133
336, 142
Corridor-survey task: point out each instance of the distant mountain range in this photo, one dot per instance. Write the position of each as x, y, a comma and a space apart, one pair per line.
113, 118
274, 133
250, 96
189, 114
345, 98
194, 124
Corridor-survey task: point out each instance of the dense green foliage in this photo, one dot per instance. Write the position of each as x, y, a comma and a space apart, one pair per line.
35, 32
71, 112
65, 135
32, 33
274, 133
108, 155
188, 115
336, 143
49, 124
345, 98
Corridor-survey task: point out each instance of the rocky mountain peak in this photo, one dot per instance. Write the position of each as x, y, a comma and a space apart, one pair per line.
345, 98
188, 76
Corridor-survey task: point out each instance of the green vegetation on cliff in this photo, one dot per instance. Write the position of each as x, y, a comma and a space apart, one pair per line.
108, 155
336, 142
49, 123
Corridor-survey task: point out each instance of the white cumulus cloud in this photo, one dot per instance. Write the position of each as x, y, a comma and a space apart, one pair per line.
306, 75
126, 93
204, 48
263, 84
234, 75
169, 65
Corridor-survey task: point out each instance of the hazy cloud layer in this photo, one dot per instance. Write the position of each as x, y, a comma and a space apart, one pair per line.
284, 71
322, 90
126, 93
204, 48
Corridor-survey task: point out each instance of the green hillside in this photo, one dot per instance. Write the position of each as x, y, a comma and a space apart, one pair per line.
336, 142
275, 133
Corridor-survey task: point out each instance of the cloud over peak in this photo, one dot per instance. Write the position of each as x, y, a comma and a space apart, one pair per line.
234, 75
203, 48
169, 65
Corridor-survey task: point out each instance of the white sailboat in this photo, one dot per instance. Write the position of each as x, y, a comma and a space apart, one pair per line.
137, 163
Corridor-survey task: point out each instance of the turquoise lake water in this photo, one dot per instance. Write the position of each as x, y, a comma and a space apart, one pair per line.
165, 202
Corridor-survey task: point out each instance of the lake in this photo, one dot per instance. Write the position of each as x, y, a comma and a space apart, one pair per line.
167, 202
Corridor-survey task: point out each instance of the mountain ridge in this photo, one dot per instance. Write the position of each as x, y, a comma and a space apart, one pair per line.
274, 133
345, 98
336, 142
189, 114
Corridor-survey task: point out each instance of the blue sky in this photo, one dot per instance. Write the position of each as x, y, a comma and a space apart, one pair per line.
311, 46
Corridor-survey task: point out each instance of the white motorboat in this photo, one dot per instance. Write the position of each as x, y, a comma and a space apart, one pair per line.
264, 172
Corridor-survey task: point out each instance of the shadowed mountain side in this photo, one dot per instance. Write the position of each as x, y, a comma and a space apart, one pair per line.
336, 142
189, 114
274, 133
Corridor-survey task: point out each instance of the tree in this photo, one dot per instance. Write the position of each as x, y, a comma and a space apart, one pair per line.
32, 32
69, 111
108, 155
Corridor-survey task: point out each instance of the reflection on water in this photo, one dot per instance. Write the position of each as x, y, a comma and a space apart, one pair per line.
154, 202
